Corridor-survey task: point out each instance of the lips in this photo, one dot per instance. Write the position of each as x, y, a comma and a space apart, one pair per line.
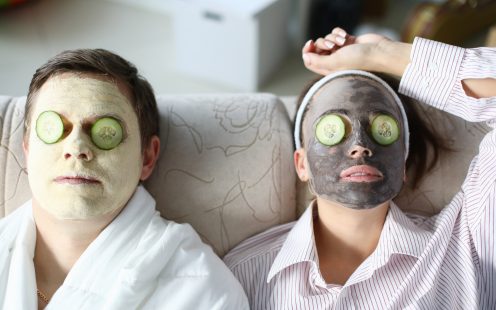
76, 180
361, 173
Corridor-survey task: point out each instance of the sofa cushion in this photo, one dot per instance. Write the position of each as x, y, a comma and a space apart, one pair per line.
14, 187
437, 189
225, 165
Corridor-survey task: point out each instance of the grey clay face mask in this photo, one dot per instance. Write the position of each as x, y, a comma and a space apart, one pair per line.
339, 173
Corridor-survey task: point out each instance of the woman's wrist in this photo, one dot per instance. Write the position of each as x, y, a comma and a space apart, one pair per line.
392, 57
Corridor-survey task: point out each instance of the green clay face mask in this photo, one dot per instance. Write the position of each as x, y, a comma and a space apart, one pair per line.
72, 177
371, 122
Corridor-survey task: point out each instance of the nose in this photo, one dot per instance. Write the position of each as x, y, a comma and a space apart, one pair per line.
358, 151
77, 146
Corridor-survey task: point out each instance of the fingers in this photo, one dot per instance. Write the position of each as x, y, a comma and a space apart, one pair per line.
316, 63
308, 52
339, 32
339, 51
308, 47
314, 53
320, 47
337, 38
323, 46
318, 56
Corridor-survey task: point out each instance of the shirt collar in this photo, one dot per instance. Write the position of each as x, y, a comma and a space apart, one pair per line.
299, 245
399, 236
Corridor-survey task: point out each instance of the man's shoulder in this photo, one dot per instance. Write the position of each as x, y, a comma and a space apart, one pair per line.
180, 235
9, 225
184, 249
192, 269
259, 248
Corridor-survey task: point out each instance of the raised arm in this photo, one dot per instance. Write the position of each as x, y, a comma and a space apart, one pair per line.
372, 52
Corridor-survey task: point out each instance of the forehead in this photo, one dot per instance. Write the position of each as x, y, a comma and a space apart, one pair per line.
82, 95
353, 94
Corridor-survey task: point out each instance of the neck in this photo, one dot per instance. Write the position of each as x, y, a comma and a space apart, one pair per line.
346, 237
60, 243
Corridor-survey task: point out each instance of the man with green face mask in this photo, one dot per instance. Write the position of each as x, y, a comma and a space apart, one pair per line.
91, 237
353, 248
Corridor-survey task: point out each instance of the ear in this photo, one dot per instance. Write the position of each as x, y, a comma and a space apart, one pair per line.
150, 157
25, 149
300, 162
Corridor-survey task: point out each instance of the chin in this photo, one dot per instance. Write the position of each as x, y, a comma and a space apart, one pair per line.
362, 206
359, 200
361, 196
79, 209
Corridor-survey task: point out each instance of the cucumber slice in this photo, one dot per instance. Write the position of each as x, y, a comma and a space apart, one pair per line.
106, 133
385, 129
49, 127
330, 130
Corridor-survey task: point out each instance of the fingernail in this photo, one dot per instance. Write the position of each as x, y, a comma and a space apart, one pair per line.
306, 59
308, 42
329, 44
340, 40
342, 33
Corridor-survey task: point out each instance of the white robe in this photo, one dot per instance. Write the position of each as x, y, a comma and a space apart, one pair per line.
139, 261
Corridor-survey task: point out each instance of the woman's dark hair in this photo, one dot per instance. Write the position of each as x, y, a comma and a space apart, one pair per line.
100, 61
426, 144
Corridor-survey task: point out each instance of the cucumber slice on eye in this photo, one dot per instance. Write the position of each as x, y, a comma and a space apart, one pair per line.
106, 133
385, 129
49, 127
330, 130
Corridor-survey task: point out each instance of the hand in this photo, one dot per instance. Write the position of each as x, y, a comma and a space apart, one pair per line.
341, 51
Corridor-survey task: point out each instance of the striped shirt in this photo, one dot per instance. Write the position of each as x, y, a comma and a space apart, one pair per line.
443, 262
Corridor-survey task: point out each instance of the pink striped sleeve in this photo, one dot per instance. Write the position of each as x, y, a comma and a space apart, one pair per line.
434, 76
432, 72
435, 73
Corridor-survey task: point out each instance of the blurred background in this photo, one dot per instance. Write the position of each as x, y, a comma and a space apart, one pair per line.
213, 46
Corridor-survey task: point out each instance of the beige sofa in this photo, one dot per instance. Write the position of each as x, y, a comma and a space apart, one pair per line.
226, 164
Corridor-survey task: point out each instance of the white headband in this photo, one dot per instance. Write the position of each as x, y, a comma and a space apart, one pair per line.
327, 78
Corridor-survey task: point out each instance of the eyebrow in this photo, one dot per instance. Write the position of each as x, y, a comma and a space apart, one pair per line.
112, 115
376, 111
348, 114
340, 111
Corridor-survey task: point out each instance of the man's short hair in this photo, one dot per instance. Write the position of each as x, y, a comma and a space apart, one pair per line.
103, 62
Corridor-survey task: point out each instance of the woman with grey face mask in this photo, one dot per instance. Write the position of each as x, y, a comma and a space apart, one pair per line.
353, 247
